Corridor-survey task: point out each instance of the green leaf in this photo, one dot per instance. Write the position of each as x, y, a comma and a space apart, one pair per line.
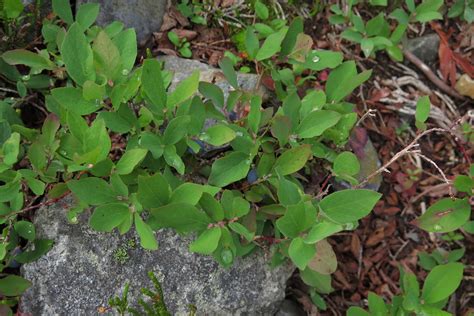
190, 193
464, 183
318, 60
288, 192
377, 306
240, 207
184, 90
241, 230
321, 282
147, 237
11, 8
126, 43
27, 58
212, 92
271, 45
293, 159
367, 46
357, 311
180, 216
348, 206
93, 191
62, 8
382, 3
130, 160
411, 289
395, 53
261, 10
346, 163
422, 109
375, 25
316, 122
281, 129
93, 91
255, 114
13, 285
153, 191
41, 246
176, 129
297, 219
426, 261
231, 168
212, 208
108, 216
228, 69
296, 27
25, 229
301, 253
218, 135
11, 149
441, 282
87, 14
343, 80
153, 143
173, 159
446, 215
72, 100
106, 56
321, 231
153, 84
251, 42
207, 242
77, 55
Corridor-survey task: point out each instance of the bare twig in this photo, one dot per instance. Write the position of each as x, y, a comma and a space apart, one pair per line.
404, 151
370, 112
450, 189
428, 73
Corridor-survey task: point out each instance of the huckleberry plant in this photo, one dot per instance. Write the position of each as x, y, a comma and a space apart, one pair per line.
376, 34
137, 154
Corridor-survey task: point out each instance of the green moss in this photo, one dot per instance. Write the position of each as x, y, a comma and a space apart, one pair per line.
121, 254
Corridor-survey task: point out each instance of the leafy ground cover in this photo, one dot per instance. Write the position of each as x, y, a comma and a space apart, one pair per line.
331, 67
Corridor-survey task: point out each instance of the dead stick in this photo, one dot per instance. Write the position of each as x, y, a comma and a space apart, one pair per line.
401, 153
430, 74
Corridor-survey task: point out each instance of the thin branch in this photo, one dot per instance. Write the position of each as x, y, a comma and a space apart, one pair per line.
450, 189
428, 73
404, 151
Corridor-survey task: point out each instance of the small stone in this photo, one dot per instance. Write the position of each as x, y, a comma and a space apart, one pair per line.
85, 268
145, 16
424, 47
465, 86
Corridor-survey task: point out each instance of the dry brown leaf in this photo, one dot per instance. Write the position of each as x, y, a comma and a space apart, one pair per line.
324, 261
355, 245
376, 237
303, 45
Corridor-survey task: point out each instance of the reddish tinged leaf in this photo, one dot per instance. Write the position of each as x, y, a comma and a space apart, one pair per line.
268, 82
448, 59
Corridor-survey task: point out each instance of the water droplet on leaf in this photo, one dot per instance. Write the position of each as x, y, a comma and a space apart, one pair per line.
125, 72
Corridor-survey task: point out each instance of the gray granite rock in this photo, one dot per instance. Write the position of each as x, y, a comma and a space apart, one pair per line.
424, 47
82, 271
183, 68
145, 16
